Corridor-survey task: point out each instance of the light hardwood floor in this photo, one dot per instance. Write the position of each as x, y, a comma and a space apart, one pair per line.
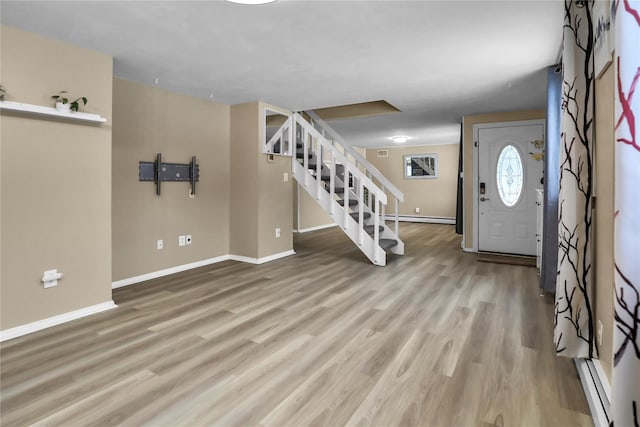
321, 338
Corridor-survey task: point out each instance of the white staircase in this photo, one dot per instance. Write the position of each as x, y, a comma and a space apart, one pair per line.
349, 188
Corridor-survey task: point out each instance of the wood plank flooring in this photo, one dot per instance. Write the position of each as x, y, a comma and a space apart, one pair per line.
322, 338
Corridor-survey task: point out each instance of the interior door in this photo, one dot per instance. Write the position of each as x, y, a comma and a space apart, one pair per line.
508, 177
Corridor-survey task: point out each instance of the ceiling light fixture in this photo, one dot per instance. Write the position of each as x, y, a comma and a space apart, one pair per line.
252, 1
399, 139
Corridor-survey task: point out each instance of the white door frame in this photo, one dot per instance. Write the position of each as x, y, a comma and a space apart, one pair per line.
476, 166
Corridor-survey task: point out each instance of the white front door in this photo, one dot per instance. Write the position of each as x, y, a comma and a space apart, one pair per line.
508, 177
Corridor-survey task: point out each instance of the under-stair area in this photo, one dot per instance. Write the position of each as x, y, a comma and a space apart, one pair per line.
349, 188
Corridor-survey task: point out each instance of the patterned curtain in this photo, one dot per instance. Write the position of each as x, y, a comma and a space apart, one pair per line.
574, 331
626, 339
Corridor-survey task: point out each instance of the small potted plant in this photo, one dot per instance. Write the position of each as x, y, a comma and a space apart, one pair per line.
3, 92
63, 103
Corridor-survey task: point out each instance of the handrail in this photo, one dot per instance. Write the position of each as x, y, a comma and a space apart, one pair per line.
359, 158
379, 193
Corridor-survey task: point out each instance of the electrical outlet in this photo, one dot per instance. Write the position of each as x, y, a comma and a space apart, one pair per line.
417, 210
182, 240
159, 245
599, 333
277, 232
191, 195
188, 239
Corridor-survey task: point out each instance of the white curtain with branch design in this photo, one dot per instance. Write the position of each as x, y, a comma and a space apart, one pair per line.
574, 332
626, 358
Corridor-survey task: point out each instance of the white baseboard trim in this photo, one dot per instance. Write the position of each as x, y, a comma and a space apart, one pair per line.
167, 271
468, 250
603, 378
39, 325
317, 227
595, 384
262, 260
428, 219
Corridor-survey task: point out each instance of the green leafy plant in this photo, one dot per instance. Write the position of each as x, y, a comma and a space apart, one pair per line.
3, 92
73, 105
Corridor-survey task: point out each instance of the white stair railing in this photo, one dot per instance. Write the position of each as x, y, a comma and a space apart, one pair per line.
370, 170
327, 163
312, 173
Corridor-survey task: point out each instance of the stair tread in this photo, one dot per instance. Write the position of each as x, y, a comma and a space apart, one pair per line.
352, 202
387, 243
366, 215
371, 228
336, 190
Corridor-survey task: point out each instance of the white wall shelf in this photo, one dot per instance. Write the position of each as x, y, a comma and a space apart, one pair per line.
50, 111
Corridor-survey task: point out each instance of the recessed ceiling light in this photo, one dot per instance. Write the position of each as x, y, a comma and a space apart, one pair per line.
399, 139
252, 1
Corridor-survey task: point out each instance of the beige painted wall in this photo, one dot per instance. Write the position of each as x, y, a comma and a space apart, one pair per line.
310, 213
147, 121
469, 121
435, 197
261, 200
55, 181
244, 175
274, 206
603, 215
274, 199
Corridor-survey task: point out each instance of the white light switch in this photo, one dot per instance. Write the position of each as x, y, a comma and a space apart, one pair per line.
277, 232
286, 177
182, 240
50, 278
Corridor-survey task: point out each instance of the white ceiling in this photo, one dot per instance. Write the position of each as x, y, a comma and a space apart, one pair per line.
434, 60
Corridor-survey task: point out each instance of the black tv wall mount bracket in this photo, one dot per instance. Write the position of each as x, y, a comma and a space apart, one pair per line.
158, 171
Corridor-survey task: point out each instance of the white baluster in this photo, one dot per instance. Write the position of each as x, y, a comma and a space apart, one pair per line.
318, 168
305, 156
332, 183
360, 212
376, 231
397, 217
384, 210
345, 180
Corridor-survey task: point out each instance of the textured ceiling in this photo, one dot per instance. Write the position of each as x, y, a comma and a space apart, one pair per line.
433, 60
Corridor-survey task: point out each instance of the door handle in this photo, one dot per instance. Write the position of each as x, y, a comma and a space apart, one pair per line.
482, 199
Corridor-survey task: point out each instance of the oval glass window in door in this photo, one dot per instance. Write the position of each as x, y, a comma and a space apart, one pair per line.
510, 175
